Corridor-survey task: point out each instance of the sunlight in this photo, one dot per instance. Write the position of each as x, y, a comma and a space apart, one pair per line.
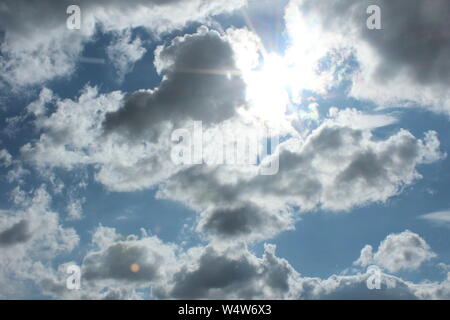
268, 89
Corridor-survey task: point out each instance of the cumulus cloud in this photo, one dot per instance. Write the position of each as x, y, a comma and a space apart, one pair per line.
230, 274
339, 165
5, 158
17, 233
405, 61
166, 271
336, 168
129, 260
245, 221
402, 251
36, 37
199, 84
31, 235
233, 272
128, 136
72, 136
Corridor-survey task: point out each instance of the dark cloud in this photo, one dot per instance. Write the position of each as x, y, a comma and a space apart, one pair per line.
18, 233
200, 83
415, 35
224, 275
116, 261
245, 221
214, 272
233, 221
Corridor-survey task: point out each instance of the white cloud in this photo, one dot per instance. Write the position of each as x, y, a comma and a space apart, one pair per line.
75, 209
214, 272
72, 136
37, 39
359, 120
439, 217
402, 251
127, 137
124, 52
113, 262
335, 168
30, 237
5, 158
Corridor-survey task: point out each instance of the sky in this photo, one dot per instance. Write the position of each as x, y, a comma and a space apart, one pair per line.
116, 124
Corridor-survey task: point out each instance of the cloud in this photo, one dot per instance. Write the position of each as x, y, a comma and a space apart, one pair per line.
322, 170
441, 218
195, 86
402, 251
125, 138
31, 237
213, 274
128, 136
72, 136
116, 267
335, 168
75, 209
5, 158
36, 37
357, 119
244, 221
124, 52
18, 233
116, 262
406, 61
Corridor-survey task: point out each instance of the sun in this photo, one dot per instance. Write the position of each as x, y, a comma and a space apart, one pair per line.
268, 89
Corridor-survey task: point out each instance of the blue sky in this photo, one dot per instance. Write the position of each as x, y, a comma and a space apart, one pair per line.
85, 164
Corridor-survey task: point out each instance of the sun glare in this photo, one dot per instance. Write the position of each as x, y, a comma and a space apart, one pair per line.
268, 89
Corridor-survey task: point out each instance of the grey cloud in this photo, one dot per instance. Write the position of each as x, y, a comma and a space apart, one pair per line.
414, 36
214, 272
116, 261
226, 275
231, 272
195, 87
365, 166
233, 221
222, 275
245, 221
18, 233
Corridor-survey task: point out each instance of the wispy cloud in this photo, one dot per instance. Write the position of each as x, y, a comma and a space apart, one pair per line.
439, 217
